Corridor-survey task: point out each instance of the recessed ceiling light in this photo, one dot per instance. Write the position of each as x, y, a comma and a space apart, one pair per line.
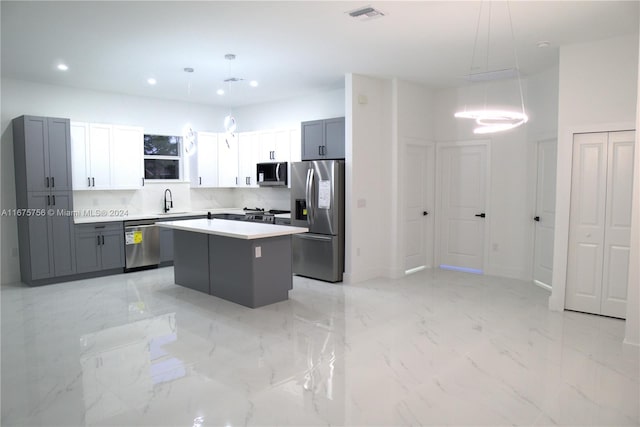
543, 44
151, 81
63, 67
220, 91
253, 83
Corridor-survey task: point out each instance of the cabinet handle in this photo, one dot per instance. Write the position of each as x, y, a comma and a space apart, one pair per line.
48, 200
319, 150
98, 240
88, 181
93, 182
143, 181
102, 237
47, 184
481, 215
536, 218
54, 199
236, 180
200, 180
53, 181
247, 180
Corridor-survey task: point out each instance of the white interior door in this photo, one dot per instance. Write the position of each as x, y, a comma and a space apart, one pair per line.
586, 228
545, 214
463, 177
617, 227
418, 176
600, 217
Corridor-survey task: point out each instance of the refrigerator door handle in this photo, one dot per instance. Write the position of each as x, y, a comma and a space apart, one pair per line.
311, 208
306, 194
278, 172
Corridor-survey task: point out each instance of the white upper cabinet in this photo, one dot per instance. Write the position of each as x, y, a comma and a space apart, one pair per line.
106, 157
204, 163
80, 161
295, 151
127, 163
228, 160
248, 157
275, 146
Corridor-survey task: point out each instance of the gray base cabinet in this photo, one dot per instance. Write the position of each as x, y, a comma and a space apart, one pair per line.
99, 246
166, 245
230, 268
42, 159
323, 139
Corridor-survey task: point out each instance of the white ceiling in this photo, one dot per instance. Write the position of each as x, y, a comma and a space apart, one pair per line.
291, 48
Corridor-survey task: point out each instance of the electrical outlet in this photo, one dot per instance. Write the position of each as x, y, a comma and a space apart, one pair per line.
258, 251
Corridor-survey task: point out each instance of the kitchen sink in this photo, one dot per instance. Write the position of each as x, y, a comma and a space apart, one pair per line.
174, 213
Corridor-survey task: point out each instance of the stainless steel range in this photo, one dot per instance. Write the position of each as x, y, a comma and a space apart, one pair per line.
259, 215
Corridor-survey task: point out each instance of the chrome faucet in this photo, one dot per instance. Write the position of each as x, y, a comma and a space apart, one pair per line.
170, 201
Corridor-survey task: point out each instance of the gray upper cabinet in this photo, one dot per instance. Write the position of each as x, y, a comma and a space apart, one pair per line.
323, 139
42, 159
42, 148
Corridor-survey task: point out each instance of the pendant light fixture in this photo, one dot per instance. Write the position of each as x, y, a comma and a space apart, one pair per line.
490, 120
230, 124
188, 134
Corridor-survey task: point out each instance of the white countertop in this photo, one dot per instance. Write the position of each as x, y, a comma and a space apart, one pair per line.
108, 215
235, 229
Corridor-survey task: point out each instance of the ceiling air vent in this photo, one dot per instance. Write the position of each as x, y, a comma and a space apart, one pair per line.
366, 13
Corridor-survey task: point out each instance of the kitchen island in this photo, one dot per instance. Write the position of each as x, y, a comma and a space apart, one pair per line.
243, 262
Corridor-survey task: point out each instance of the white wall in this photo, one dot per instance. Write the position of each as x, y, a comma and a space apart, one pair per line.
509, 216
632, 326
597, 92
289, 113
368, 188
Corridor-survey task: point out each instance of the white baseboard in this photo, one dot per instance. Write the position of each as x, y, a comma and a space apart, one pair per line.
542, 285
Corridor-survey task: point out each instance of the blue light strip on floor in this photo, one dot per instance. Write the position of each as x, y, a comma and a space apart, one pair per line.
463, 269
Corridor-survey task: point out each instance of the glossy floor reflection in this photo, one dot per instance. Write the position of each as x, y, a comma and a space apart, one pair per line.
434, 348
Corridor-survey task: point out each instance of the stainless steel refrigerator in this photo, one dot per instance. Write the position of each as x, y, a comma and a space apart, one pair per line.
317, 202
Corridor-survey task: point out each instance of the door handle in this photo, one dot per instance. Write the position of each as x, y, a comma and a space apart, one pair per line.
54, 199
48, 200
47, 178
53, 181
98, 240
536, 218
102, 238
425, 213
481, 215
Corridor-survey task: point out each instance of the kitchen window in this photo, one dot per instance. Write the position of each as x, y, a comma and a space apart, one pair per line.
162, 157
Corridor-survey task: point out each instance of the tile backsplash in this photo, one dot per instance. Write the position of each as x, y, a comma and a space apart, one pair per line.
150, 199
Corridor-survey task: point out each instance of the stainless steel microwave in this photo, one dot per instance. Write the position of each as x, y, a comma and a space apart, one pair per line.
272, 174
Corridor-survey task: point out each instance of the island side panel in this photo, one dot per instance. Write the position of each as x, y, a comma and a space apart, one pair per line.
240, 274
191, 260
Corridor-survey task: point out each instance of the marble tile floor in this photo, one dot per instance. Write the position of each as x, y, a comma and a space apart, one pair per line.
434, 348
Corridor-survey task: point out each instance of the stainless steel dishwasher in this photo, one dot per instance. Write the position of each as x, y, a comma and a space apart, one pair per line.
141, 244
